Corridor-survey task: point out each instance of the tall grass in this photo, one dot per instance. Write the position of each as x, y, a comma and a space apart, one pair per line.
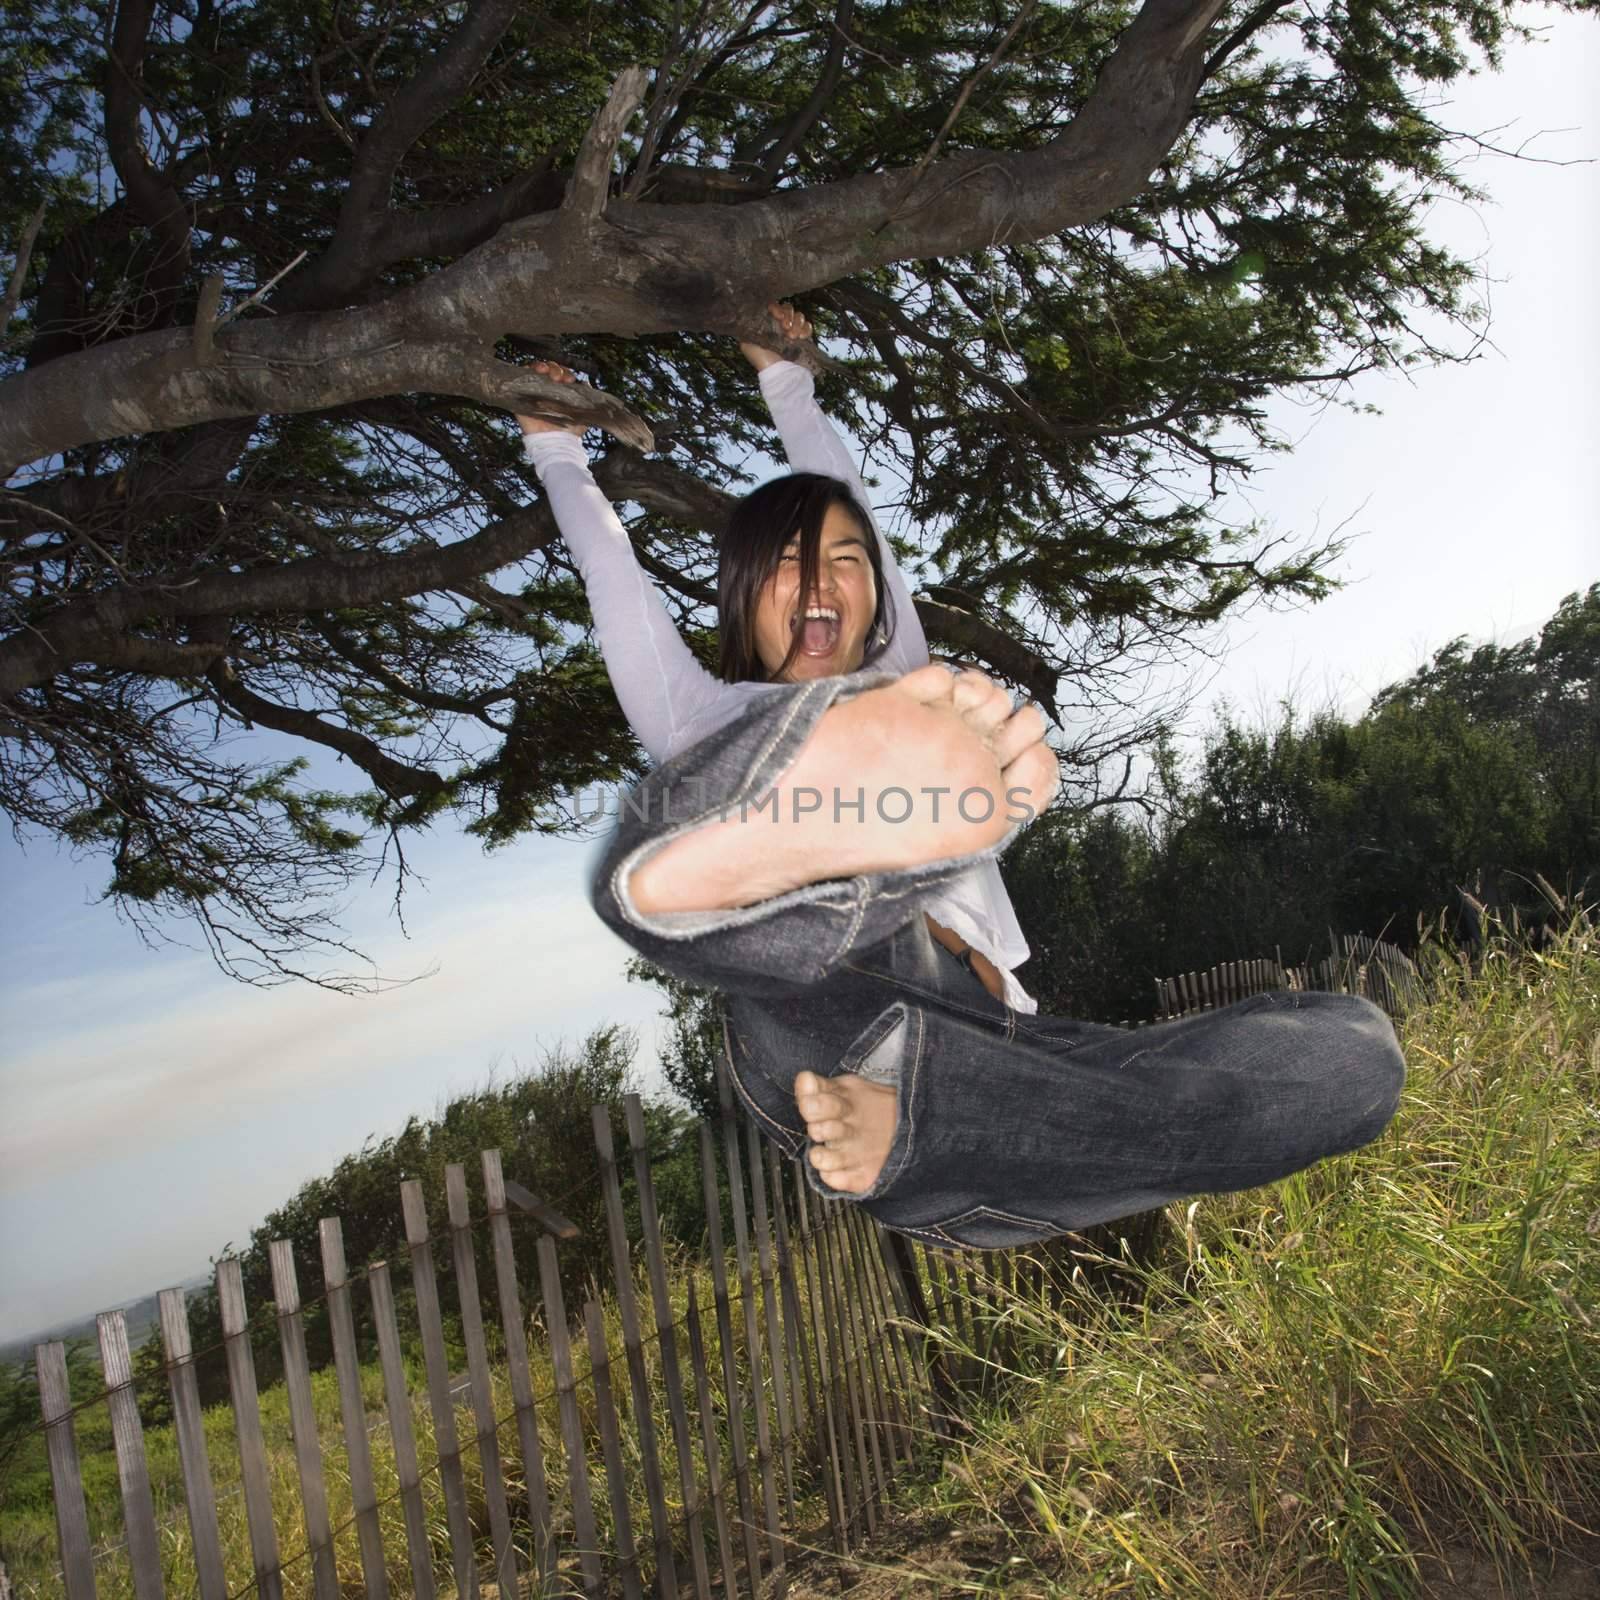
1314, 1384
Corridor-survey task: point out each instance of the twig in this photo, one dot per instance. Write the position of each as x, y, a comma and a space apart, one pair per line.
325, 110
1027, 11
20, 271
264, 290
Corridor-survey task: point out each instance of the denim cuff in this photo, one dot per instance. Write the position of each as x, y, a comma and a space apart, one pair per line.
791, 940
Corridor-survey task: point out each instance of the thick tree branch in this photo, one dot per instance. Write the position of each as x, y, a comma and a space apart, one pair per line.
591, 172
19, 271
640, 268
660, 486
270, 365
450, 231
85, 629
154, 199
777, 158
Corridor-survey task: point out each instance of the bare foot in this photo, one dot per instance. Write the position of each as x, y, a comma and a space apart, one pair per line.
926, 754
851, 1122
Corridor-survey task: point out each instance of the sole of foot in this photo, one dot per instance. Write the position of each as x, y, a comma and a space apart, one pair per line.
931, 730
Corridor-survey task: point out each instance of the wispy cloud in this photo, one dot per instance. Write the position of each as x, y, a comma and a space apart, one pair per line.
141, 1059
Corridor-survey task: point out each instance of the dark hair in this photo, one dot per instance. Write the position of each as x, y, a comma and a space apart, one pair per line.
752, 545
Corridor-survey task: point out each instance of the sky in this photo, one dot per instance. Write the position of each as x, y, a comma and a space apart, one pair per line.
152, 1110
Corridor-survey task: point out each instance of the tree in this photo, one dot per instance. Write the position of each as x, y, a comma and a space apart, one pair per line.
1477, 773
279, 270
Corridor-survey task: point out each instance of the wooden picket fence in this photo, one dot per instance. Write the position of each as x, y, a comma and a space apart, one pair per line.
831, 1385
1355, 964
823, 1386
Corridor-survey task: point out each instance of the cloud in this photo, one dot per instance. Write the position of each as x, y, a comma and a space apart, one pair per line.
146, 1057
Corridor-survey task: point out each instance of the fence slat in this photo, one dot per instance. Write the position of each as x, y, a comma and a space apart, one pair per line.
731, 1398
887, 1333
633, 1347
247, 1430
515, 1330
866, 1344
869, 1343
133, 1474
66, 1481
440, 1402
199, 1495
303, 1419
466, 1271
817, 1417
352, 1410
402, 1433
627, 1551
752, 1330
947, 1302
715, 1489
769, 1301
901, 1293
666, 1341
555, 1317
972, 1296
863, 1489
838, 1465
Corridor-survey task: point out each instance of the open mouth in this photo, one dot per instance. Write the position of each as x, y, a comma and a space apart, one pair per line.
820, 627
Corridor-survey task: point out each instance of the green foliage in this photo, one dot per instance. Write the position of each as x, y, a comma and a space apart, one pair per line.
694, 1040
1478, 773
540, 1121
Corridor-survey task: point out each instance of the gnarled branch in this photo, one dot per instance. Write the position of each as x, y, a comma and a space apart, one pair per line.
348, 262
395, 778
643, 268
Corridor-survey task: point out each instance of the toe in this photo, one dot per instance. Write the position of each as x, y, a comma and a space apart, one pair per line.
1021, 729
830, 1128
984, 704
816, 1107
927, 684
1035, 771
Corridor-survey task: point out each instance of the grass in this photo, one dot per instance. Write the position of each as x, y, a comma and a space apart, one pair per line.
1313, 1388
1301, 1391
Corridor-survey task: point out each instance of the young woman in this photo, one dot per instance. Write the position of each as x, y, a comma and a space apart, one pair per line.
818, 840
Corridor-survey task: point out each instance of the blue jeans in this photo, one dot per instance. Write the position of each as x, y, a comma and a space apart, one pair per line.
1009, 1128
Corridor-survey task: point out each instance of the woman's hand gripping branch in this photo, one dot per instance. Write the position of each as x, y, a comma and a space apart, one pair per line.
790, 323
557, 373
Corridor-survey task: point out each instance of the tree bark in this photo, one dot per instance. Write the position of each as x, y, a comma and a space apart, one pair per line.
630, 268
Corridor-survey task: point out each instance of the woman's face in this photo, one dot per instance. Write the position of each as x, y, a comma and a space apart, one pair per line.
845, 587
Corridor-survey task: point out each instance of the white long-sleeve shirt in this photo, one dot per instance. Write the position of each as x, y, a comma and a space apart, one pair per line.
672, 702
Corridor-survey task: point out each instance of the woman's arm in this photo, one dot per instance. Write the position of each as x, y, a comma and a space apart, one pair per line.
658, 680
812, 444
